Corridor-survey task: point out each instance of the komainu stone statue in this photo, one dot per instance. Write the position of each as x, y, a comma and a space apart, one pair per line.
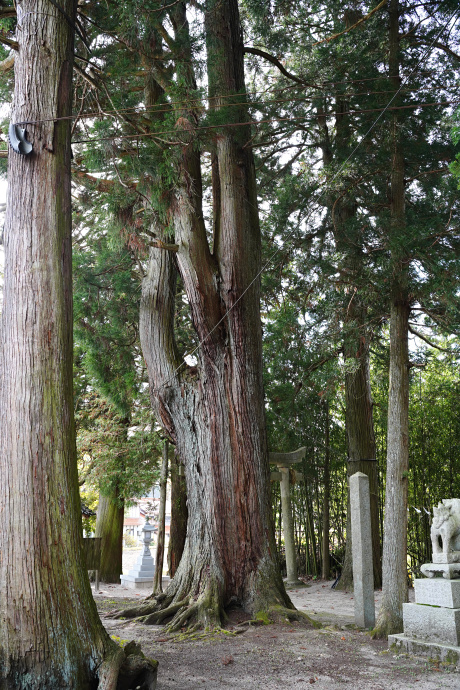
445, 539
445, 531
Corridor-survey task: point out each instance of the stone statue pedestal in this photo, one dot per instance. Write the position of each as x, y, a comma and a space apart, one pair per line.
432, 624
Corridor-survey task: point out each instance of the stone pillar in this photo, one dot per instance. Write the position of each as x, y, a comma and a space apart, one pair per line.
288, 527
361, 538
284, 461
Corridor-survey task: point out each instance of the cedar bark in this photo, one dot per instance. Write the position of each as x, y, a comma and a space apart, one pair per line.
361, 450
215, 415
179, 516
50, 633
358, 398
109, 527
394, 586
158, 577
326, 565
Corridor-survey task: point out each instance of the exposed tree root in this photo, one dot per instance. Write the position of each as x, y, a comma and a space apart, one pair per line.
127, 668
387, 624
196, 610
110, 669
195, 614
280, 614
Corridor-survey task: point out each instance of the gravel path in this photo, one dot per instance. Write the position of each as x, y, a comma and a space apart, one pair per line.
275, 657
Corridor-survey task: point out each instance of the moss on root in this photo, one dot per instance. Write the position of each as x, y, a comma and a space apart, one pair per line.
280, 614
387, 624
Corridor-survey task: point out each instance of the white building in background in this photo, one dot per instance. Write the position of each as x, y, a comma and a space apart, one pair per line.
136, 514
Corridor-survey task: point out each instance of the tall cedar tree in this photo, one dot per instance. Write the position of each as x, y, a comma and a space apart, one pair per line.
370, 246
214, 413
50, 633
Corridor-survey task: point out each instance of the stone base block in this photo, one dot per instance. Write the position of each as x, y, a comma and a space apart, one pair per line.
137, 582
448, 654
432, 623
142, 583
438, 592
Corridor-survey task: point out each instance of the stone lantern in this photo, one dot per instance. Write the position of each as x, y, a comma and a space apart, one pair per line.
141, 576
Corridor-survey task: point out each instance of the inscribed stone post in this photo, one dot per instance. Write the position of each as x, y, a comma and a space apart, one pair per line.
363, 576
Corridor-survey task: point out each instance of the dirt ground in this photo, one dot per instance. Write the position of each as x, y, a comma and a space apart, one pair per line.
280, 656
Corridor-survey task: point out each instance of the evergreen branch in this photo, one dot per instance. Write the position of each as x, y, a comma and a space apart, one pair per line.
101, 185
428, 341
276, 62
7, 63
439, 45
354, 26
8, 41
85, 75
427, 172
7, 12
162, 245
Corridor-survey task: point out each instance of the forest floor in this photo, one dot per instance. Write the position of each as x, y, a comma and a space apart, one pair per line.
279, 656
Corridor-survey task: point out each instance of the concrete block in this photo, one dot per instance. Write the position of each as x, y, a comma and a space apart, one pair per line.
402, 644
438, 592
432, 623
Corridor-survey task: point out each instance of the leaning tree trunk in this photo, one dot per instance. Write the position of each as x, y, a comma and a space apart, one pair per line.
215, 415
109, 527
50, 633
394, 586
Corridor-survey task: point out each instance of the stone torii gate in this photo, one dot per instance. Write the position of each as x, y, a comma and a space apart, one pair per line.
284, 461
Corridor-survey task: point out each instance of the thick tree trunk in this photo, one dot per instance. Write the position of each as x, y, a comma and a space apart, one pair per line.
216, 419
179, 516
394, 587
361, 452
50, 633
109, 527
359, 417
159, 561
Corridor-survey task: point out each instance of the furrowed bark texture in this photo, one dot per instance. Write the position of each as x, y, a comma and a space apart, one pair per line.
217, 418
159, 561
50, 633
394, 587
361, 451
359, 415
326, 564
179, 516
109, 527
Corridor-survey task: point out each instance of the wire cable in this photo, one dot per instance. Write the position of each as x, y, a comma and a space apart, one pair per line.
319, 196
